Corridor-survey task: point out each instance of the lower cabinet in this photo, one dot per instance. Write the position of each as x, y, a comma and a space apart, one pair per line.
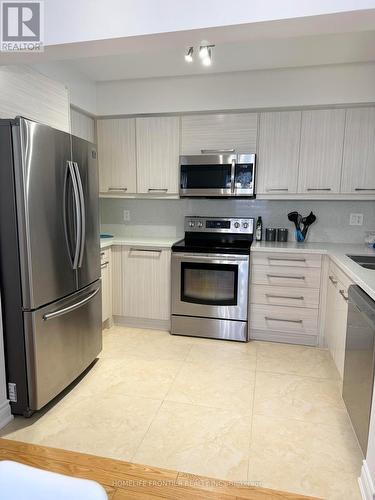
336, 315
285, 297
141, 285
106, 275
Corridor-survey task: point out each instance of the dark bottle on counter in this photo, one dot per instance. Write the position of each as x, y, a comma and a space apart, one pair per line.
259, 229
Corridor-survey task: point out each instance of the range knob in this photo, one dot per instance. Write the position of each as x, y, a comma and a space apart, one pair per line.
200, 223
236, 225
191, 223
245, 225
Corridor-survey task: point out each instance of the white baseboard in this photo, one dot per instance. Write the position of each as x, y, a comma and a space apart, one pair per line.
5, 414
153, 324
366, 484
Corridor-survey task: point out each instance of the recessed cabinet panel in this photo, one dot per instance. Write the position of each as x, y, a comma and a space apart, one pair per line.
117, 156
82, 125
358, 173
322, 136
219, 131
158, 149
279, 139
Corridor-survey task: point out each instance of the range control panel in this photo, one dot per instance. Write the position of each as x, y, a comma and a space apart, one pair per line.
219, 224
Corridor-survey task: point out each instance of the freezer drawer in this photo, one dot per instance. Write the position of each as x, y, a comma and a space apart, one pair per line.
62, 339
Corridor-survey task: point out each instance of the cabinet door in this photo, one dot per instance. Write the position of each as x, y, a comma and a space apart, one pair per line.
82, 125
322, 136
358, 174
106, 275
219, 131
117, 156
117, 280
330, 320
277, 165
158, 149
146, 283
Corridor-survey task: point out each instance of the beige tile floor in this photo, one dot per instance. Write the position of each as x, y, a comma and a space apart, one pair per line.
262, 412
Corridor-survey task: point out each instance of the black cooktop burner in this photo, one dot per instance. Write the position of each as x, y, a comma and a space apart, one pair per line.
214, 243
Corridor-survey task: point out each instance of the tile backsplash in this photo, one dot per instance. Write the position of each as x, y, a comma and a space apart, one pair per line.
165, 217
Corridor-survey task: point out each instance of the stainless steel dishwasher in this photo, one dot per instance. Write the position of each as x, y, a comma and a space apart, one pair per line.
359, 362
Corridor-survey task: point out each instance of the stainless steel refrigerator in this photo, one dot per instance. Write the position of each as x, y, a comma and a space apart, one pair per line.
49, 260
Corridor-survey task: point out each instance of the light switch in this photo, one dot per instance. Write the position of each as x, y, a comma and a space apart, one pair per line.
126, 215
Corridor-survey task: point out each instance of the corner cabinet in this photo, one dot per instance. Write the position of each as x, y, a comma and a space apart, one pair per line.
322, 137
117, 156
358, 171
277, 166
158, 150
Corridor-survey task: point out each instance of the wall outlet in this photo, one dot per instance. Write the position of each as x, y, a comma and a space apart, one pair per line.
126, 215
356, 220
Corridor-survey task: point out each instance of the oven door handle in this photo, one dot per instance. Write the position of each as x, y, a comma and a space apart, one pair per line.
214, 256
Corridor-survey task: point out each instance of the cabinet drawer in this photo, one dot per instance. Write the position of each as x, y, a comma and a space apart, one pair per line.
284, 319
286, 259
104, 256
285, 276
284, 296
337, 274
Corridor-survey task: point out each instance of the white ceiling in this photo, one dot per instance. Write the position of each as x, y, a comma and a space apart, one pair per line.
241, 56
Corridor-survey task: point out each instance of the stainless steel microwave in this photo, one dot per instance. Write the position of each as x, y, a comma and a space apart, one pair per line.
217, 175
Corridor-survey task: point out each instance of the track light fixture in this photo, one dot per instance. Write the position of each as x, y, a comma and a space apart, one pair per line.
189, 55
205, 54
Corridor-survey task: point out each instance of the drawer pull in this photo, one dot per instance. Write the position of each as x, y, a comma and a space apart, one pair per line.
157, 190
102, 253
286, 259
299, 321
332, 280
145, 250
104, 264
217, 151
277, 189
286, 277
364, 189
270, 296
343, 295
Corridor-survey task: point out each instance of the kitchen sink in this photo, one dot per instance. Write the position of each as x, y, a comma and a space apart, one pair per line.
367, 261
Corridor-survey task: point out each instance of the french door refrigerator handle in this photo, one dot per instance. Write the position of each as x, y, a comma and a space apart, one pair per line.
78, 214
83, 214
68, 309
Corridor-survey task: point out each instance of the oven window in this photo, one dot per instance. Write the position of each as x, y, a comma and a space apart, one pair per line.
205, 176
209, 284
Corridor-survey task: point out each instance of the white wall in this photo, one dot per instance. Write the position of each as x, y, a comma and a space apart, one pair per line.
320, 85
82, 90
5, 415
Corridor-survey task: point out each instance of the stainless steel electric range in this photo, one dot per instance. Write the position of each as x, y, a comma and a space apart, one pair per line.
210, 278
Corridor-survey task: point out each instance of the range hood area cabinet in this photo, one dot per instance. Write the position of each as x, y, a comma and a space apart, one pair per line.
138, 156
317, 154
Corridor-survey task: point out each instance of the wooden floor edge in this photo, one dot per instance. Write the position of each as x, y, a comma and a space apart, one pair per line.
139, 480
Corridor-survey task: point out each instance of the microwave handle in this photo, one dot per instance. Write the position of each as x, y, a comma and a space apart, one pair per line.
217, 151
232, 176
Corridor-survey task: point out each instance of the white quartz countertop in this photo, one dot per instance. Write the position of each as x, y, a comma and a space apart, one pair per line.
139, 241
338, 252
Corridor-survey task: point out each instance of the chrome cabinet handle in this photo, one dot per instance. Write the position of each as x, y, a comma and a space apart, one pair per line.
343, 295
332, 280
102, 253
83, 214
77, 205
283, 319
117, 189
277, 189
286, 259
145, 250
68, 309
217, 151
287, 277
319, 189
104, 264
364, 189
301, 297
161, 190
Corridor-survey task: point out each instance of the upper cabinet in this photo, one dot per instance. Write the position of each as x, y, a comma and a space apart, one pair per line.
322, 137
158, 149
358, 171
278, 150
219, 131
82, 125
117, 156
